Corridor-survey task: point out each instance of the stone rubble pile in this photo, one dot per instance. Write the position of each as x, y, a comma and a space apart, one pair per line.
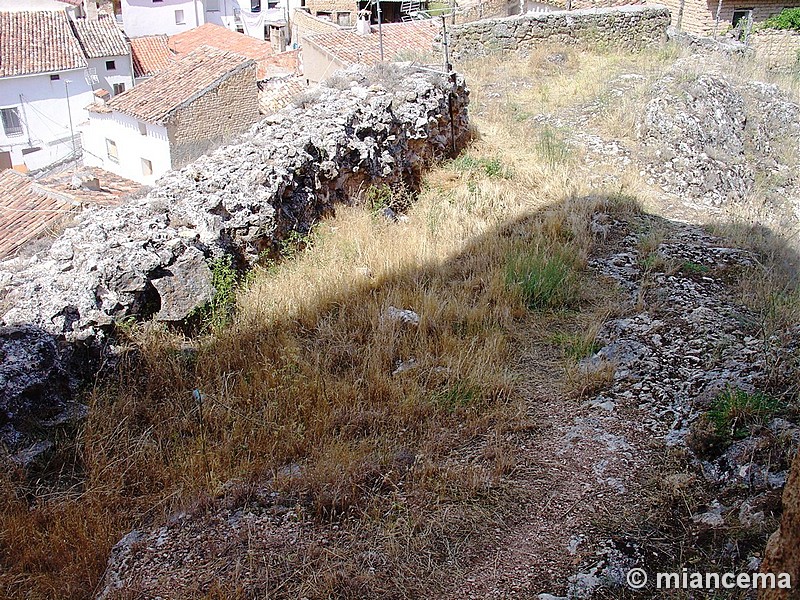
717, 141
683, 341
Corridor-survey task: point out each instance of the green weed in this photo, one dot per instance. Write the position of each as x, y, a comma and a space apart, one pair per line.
545, 281
734, 413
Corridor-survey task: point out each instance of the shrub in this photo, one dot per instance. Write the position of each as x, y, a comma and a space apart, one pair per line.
218, 312
788, 18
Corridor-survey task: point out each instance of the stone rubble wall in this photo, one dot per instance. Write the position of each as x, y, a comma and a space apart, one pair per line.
776, 49
149, 257
627, 27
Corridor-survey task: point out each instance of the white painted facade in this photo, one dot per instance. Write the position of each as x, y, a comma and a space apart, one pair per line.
153, 17
120, 73
23, 5
158, 17
135, 143
43, 109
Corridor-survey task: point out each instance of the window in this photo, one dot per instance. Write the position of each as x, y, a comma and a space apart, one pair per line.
343, 19
111, 65
179, 18
255, 5
147, 167
119, 88
742, 16
111, 150
212, 5
55, 77
157, 1
272, 3
142, 128
11, 122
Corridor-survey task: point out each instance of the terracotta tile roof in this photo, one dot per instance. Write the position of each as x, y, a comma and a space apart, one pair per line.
113, 188
102, 37
31, 208
27, 211
221, 38
156, 99
400, 41
309, 24
150, 54
37, 42
277, 93
289, 60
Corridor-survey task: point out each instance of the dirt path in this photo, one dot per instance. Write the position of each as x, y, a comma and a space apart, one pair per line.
575, 469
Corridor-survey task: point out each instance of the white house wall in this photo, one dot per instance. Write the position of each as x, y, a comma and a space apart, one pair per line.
42, 106
145, 17
123, 72
21, 5
132, 146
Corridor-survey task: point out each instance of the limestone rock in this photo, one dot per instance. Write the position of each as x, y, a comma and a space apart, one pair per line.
34, 390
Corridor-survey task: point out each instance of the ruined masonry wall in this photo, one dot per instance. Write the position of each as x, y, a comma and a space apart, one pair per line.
149, 257
776, 50
628, 27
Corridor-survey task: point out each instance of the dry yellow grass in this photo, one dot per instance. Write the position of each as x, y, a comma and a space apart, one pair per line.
300, 391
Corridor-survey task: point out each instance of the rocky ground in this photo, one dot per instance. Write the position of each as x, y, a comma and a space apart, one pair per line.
669, 443
708, 146
681, 339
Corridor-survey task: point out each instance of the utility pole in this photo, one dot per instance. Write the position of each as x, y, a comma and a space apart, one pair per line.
445, 43
380, 29
69, 115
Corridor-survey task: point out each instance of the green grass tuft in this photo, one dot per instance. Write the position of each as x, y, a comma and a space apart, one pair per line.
735, 412
545, 281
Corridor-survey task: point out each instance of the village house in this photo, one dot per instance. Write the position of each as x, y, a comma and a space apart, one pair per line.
50, 67
216, 36
150, 54
345, 12
326, 53
261, 19
715, 17
75, 8
278, 75
199, 102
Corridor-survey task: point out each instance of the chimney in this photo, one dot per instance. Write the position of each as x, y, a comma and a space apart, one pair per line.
362, 24
101, 96
90, 8
277, 39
